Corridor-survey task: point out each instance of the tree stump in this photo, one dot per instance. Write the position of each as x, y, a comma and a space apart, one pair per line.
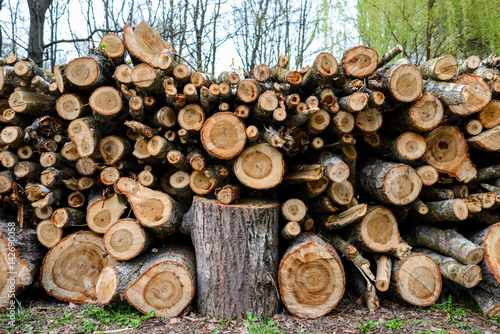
237, 256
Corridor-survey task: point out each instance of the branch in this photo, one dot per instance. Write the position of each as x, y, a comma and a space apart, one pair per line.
81, 39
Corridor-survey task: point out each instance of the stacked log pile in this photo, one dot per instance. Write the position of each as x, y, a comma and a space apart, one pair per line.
367, 170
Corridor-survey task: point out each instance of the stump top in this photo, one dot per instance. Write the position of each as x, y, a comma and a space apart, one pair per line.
242, 202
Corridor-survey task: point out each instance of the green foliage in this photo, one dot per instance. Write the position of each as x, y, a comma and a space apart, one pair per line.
368, 326
427, 29
121, 317
255, 326
394, 324
452, 310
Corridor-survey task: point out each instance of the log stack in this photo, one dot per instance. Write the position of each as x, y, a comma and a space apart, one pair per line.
378, 173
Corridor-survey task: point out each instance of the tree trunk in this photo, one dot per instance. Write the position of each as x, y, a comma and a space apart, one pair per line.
70, 269
311, 277
37, 11
235, 275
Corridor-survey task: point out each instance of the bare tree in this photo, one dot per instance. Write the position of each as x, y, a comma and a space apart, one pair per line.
37, 9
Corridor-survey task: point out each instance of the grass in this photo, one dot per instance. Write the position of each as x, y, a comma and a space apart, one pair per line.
367, 326
256, 326
394, 324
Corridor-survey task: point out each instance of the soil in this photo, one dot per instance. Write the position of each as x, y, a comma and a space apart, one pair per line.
40, 313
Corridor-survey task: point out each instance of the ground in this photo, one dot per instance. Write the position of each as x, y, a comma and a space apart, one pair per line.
40, 313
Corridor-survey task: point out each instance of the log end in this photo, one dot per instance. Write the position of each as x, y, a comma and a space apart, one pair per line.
406, 83
472, 276
402, 185
124, 240
106, 285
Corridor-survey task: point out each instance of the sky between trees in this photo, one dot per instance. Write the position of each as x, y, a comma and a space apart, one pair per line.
219, 34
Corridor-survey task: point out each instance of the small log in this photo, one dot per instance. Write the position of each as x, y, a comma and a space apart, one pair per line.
261, 73
447, 242
472, 127
151, 208
179, 181
126, 239
449, 93
334, 222
364, 288
148, 179
488, 140
191, 117
114, 48
354, 102
228, 194
107, 104
223, 135
407, 147
123, 76
13, 136
66, 217
266, 104
27, 170
201, 184
48, 234
342, 123
479, 95
489, 116
284, 75
247, 90
369, 120
311, 277
290, 230
360, 61
43, 213
437, 194
84, 133
384, 270
469, 65
324, 68
351, 254
293, 209
341, 193
209, 222
71, 106
70, 269
312, 189
86, 166
390, 55
109, 175
416, 279
102, 213
466, 275
260, 166
441, 68
389, 183
447, 152
76, 199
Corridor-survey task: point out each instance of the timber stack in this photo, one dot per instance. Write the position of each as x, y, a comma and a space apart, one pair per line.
147, 182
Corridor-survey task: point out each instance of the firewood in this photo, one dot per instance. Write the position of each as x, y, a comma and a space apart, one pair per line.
324, 67
30, 103
126, 239
351, 254
488, 140
48, 234
472, 127
390, 55
70, 269
306, 257
360, 61
469, 65
102, 213
123, 75
65, 217
441, 68
479, 95
449, 93
384, 270
364, 288
489, 116
447, 242
107, 104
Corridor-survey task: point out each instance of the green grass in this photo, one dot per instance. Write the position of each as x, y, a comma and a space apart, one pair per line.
257, 326
394, 324
120, 317
367, 326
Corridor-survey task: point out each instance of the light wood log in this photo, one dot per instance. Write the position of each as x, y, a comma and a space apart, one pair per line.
84, 133
48, 234
126, 239
488, 140
260, 166
107, 104
311, 277
384, 270
479, 95
102, 213
223, 135
360, 61
114, 48
441, 68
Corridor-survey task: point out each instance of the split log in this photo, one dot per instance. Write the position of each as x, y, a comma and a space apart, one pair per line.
465, 275
364, 288
237, 275
311, 277
153, 209
20, 260
441, 68
102, 213
70, 269
447, 152
126, 239
447, 242
479, 95
389, 183
416, 279
333, 222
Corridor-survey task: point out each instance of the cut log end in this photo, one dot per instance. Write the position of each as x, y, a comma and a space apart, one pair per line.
360, 61
426, 112
224, 135
106, 285
106, 101
411, 145
402, 185
379, 230
479, 95
428, 174
294, 210
48, 234
260, 166
124, 240
406, 83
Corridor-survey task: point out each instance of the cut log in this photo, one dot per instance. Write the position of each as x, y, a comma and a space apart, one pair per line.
201, 184
389, 183
70, 269
235, 275
144, 43
417, 279
224, 135
465, 275
48, 234
247, 90
84, 133
488, 302
360, 61
107, 104
369, 120
377, 231
333, 167
354, 102
441, 68
401, 80
341, 193
342, 123
191, 117
364, 288
390, 55
447, 242
151, 208
448, 93
469, 65
29, 103
88, 73
293, 210
472, 127
324, 67
447, 152
338, 221
488, 240
126, 239
20, 259
260, 166
384, 270
489, 116
290, 230
311, 277
452, 210
114, 48
351, 254
66, 217
405, 148
71, 106
488, 140
479, 95
103, 213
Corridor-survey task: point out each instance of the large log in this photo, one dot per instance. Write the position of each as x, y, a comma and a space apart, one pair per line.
70, 269
235, 275
479, 95
223, 135
311, 277
126, 239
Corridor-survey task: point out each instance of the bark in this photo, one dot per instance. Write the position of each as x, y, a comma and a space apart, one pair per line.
448, 93
30, 103
442, 68
363, 288
351, 254
235, 275
479, 95
68, 217
390, 55
324, 67
446, 242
